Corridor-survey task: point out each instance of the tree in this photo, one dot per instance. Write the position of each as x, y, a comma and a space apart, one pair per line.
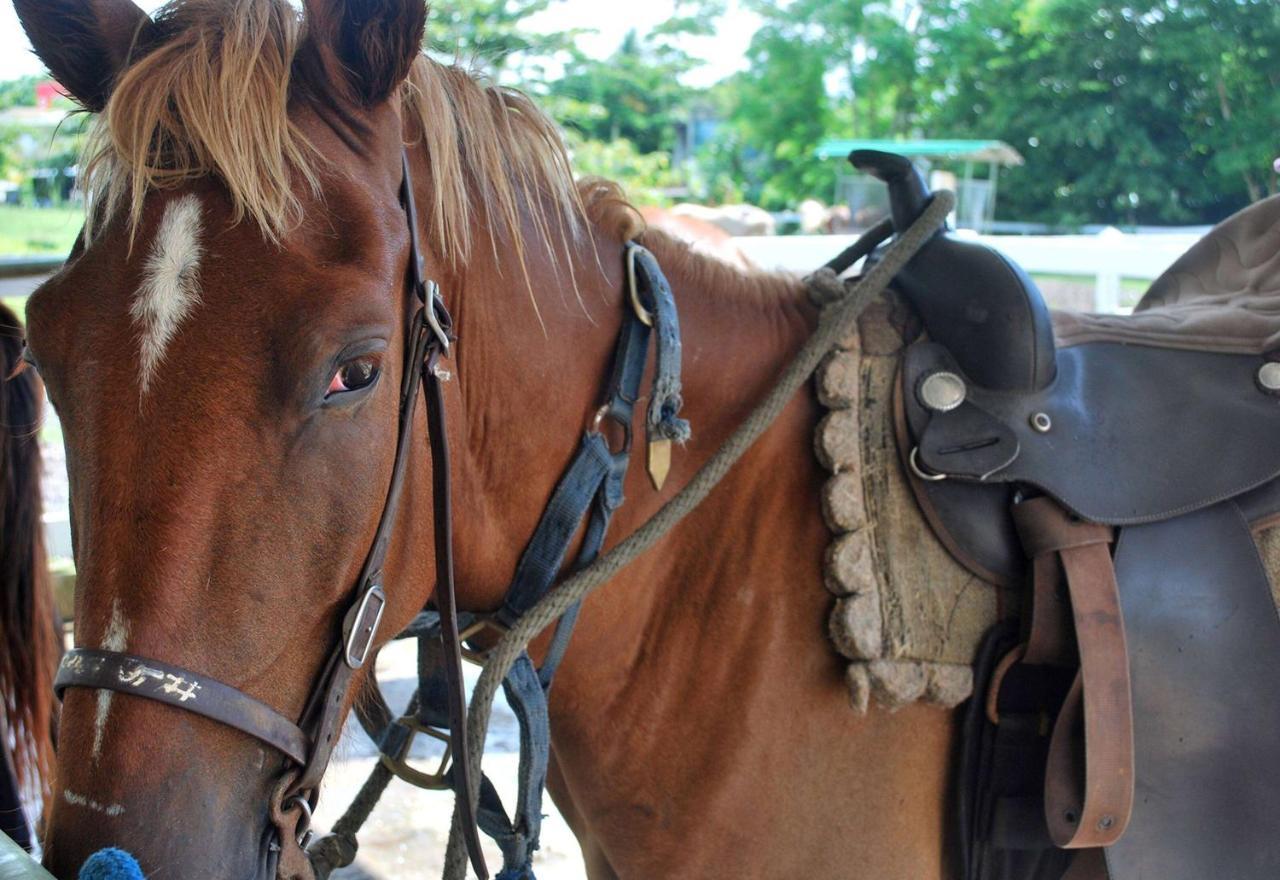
637, 93
780, 113
1114, 104
492, 34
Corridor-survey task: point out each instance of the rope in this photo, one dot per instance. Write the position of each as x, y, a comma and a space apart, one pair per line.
836, 321
338, 848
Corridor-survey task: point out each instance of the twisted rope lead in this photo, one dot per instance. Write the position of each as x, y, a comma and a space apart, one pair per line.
837, 321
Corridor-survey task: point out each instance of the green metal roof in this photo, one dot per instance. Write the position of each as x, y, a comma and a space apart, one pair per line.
968, 150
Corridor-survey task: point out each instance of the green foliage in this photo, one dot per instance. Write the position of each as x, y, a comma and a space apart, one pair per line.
20, 92
1157, 111
1160, 111
636, 94
1153, 111
491, 34
644, 176
780, 112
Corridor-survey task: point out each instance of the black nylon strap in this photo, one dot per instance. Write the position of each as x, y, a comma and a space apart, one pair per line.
190, 691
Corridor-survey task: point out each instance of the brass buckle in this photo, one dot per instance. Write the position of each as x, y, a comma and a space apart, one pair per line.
645, 316
997, 681
479, 658
400, 766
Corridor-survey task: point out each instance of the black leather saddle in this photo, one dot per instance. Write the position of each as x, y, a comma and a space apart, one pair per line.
1149, 447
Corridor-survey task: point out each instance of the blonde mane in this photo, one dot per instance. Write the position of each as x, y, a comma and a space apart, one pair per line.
213, 98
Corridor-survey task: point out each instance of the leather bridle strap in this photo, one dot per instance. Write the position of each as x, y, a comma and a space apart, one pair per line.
310, 744
183, 689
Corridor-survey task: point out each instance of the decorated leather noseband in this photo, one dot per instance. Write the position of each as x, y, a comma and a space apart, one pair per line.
309, 742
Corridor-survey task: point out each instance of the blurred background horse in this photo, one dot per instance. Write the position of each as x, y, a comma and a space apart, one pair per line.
29, 649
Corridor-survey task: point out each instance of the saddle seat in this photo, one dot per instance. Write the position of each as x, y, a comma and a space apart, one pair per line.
1222, 295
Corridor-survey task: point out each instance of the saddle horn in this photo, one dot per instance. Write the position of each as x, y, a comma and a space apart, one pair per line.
976, 302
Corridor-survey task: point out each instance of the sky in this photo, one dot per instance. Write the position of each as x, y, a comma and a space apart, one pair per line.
611, 20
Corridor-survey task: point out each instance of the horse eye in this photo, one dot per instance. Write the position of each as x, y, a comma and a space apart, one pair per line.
354, 375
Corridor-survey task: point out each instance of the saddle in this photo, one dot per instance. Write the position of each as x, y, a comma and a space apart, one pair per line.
1124, 723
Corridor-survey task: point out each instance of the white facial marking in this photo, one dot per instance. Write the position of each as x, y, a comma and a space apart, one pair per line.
79, 800
116, 638
170, 283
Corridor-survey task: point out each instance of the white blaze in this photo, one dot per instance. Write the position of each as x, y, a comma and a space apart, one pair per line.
116, 638
170, 283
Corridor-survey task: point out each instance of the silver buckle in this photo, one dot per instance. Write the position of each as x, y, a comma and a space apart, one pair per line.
433, 320
364, 627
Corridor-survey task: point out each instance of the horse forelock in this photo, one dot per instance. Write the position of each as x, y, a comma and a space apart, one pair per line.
210, 96
220, 89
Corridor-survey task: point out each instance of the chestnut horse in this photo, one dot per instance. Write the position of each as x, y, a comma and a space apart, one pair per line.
29, 651
225, 347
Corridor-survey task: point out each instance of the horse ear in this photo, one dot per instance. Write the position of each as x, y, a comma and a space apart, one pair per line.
374, 42
84, 43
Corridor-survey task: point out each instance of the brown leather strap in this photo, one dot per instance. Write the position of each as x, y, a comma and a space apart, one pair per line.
1089, 781
451, 656
175, 686
1088, 864
1050, 640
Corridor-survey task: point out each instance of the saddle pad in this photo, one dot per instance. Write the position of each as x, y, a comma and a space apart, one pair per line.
908, 616
1204, 647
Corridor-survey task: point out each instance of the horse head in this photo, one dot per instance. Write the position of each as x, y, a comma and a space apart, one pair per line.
225, 347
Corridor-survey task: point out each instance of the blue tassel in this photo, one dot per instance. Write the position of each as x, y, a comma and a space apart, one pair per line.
111, 864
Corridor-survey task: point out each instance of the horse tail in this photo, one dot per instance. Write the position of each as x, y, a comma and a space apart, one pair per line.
30, 647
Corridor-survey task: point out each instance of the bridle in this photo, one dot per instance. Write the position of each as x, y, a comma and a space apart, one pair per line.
308, 743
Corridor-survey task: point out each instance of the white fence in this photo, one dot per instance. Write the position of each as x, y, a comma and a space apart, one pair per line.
1106, 257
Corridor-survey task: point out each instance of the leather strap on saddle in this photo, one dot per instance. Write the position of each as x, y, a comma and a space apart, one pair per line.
1089, 779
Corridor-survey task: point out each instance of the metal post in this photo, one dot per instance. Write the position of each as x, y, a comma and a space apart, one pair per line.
15, 864
991, 199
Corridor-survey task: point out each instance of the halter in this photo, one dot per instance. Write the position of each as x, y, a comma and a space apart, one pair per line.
309, 742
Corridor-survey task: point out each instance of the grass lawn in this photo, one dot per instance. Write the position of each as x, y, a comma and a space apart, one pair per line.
38, 231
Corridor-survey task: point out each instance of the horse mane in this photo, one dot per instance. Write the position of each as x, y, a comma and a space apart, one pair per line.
211, 94
30, 649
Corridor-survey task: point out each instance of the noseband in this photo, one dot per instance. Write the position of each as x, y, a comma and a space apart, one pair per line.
309, 742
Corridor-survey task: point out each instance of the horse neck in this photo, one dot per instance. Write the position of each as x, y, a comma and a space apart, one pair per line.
529, 389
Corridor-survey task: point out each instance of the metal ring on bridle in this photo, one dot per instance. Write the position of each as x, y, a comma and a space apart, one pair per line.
914, 462
304, 825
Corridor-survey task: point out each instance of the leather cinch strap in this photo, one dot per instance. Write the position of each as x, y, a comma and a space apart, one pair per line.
1089, 780
175, 686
